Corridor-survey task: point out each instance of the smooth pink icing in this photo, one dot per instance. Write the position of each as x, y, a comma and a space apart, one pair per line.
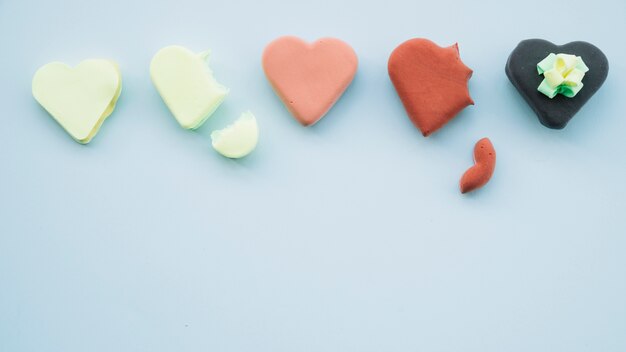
309, 77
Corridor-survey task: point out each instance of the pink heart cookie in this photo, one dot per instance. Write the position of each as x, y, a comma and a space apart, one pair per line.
309, 78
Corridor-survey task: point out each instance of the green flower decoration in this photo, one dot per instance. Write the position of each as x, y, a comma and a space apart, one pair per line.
563, 74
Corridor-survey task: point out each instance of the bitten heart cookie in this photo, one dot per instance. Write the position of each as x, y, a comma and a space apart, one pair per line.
431, 82
186, 84
484, 165
556, 80
309, 77
78, 98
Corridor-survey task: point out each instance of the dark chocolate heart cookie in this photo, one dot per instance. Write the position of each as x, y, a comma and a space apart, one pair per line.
521, 68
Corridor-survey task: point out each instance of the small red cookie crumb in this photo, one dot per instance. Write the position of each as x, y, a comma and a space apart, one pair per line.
485, 162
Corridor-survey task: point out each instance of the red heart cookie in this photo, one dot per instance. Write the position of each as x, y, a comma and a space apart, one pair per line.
431, 82
485, 162
309, 78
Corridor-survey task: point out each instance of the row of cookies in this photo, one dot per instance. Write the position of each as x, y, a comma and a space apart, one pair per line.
431, 81
309, 78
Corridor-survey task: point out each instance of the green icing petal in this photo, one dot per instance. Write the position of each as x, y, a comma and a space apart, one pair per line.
580, 64
571, 79
570, 92
574, 78
545, 88
546, 63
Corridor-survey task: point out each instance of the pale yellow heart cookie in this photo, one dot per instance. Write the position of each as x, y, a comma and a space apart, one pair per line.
186, 84
78, 98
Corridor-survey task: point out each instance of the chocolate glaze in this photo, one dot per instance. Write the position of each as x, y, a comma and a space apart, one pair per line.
521, 68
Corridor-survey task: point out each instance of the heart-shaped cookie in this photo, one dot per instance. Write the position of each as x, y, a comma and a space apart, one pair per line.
78, 98
431, 82
521, 68
186, 84
309, 78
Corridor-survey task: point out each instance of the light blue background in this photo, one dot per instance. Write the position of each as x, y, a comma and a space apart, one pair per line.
347, 236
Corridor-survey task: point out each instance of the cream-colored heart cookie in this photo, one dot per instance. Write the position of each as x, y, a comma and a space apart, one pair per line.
238, 139
78, 98
186, 84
